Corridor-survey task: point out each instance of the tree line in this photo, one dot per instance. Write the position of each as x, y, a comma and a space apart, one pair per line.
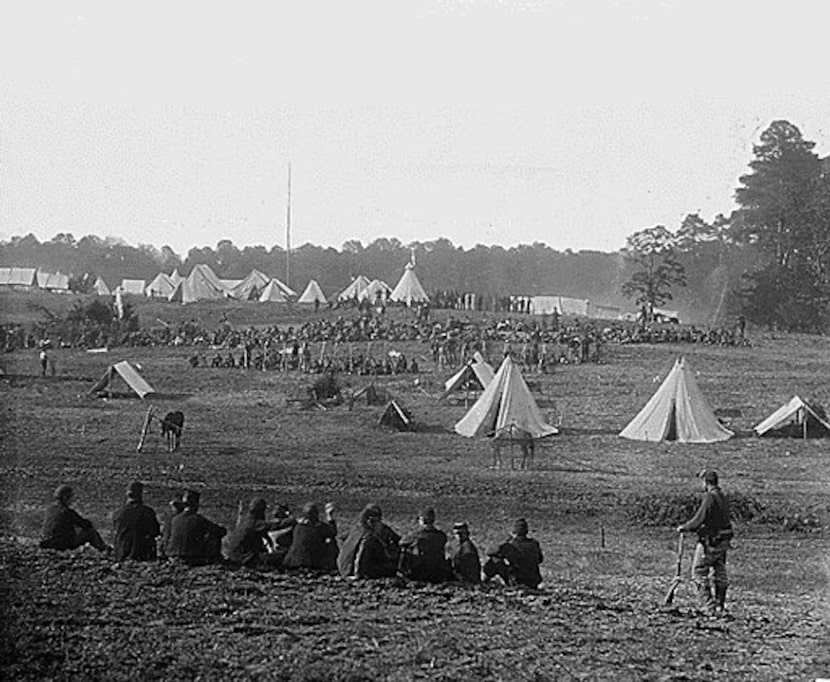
768, 260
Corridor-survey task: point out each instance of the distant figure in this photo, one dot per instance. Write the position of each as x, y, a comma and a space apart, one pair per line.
136, 528
363, 554
249, 542
466, 566
516, 561
313, 544
44, 361
713, 525
422, 552
194, 540
64, 528
171, 428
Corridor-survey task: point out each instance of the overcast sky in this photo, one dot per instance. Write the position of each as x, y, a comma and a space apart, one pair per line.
569, 123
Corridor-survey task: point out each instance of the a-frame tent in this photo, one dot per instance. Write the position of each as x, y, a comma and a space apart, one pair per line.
130, 376
161, 286
375, 289
100, 287
408, 289
677, 412
251, 287
201, 284
795, 419
397, 417
312, 293
477, 371
273, 293
505, 406
357, 285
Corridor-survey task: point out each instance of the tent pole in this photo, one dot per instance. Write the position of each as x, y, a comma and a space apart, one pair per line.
804, 425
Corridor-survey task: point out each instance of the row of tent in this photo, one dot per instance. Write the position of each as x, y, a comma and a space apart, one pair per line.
33, 278
203, 284
677, 411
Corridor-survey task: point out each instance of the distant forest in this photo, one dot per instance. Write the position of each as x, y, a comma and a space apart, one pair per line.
768, 260
713, 268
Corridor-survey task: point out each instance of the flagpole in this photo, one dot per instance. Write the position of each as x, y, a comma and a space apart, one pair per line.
288, 232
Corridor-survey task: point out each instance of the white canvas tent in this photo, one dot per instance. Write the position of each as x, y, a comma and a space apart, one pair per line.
312, 293
100, 287
134, 287
130, 376
250, 287
677, 412
357, 285
160, 287
795, 419
201, 284
273, 293
53, 281
175, 277
506, 406
408, 289
374, 289
477, 371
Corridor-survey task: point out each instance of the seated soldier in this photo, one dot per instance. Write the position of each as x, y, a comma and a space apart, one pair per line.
249, 542
64, 528
363, 554
422, 552
175, 507
194, 540
281, 538
313, 544
466, 566
516, 561
136, 527
386, 534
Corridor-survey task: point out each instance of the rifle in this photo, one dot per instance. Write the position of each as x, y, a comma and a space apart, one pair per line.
669, 598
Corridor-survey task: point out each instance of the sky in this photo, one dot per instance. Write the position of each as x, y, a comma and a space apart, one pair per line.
573, 124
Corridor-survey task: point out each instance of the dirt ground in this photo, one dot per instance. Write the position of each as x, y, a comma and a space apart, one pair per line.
602, 507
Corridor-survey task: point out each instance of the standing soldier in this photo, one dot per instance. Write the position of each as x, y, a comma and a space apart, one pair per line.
714, 531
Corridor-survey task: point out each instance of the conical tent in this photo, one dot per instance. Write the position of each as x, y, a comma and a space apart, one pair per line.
477, 371
358, 284
312, 293
409, 289
130, 376
251, 286
795, 419
506, 405
100, 287
273, 293
677, 411
161, 286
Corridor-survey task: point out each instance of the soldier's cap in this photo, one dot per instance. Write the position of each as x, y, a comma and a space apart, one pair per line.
460, 527
428, 515
372, 510
709, 476
63, 492
257, 506
135, 490
520, 527
311, 511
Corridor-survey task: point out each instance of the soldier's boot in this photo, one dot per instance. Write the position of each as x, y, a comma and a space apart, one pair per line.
705, 600
720, 599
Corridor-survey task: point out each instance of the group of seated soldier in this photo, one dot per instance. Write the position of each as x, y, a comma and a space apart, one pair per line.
371, 549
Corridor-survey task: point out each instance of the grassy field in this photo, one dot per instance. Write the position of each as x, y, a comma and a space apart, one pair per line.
602, 507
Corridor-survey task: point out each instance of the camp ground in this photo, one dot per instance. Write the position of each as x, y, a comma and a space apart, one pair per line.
130, 379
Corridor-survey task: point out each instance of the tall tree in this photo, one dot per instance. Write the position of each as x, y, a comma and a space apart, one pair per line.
657, 270
786, 212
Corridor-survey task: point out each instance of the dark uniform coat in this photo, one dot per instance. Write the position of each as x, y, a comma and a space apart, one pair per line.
136, 529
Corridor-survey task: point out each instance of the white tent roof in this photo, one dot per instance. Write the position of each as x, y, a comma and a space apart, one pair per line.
175, 277
312, 293
358, 284
256, 281
55, 281
100, 287
374, 288
18, 277
160, 286
201, 284
796, 412
677, 411
273, 293
408, 289
476, 368
130, 376
133, 286
505, 405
